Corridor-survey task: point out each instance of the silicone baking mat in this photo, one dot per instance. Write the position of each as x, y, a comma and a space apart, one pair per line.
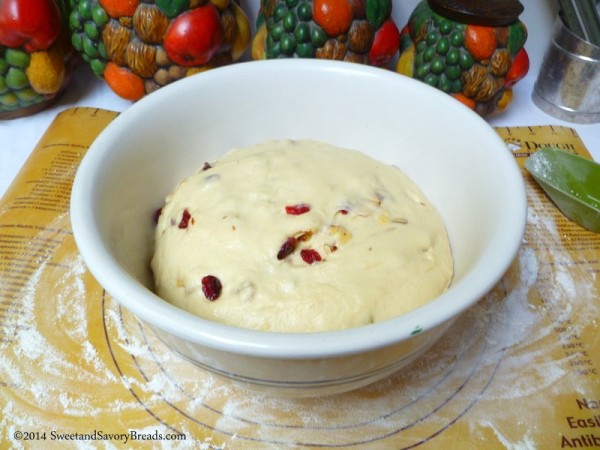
519, 370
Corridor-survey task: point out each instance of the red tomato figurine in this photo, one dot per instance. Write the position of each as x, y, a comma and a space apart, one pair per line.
35, 55
32, 24
195, 36
137, 46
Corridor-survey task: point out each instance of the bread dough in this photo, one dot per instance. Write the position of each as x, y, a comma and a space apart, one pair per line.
299, 236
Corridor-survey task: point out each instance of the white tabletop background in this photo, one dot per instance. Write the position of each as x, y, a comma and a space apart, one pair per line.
18, 137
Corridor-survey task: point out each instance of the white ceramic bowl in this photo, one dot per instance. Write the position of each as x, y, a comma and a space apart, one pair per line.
452, 154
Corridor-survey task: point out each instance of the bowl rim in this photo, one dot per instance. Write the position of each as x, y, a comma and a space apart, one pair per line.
158, 313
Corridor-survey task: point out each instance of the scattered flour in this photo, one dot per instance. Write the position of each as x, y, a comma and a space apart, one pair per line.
526, 443
498, 353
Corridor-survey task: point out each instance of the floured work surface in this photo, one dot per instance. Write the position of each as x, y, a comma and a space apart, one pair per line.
521, 369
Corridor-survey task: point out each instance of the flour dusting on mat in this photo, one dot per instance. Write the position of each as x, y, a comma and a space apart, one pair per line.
73, 361
53, 362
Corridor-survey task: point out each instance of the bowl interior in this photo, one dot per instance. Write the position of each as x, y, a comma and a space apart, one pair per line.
455, 157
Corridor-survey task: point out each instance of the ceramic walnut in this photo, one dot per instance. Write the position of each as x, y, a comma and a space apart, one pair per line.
471, 50
139, 46
360, 31
35, 55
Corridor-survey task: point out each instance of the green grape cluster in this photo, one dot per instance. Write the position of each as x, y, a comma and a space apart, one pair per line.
292, 32
86, 20
440, 57
15, 90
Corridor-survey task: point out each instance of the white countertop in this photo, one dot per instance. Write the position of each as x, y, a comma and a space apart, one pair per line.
18, 137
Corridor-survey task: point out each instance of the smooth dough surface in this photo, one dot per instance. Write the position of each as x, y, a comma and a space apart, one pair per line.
382, 246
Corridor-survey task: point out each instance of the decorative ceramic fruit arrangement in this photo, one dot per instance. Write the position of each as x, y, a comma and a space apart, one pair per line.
35, 55
139, 46
350, 30
471, 50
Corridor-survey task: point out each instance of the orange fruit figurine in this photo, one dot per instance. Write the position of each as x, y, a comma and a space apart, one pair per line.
124, 82
119, 8
334, 16
474, 51
480, 41
360, 31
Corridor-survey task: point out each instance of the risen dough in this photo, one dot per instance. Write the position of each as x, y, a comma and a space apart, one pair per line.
383, 248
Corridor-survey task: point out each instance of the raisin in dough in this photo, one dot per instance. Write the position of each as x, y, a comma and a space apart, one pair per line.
299, 236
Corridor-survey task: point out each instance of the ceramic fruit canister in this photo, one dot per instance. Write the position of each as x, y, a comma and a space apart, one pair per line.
36, 57
474, 51
360, 31
139, 46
